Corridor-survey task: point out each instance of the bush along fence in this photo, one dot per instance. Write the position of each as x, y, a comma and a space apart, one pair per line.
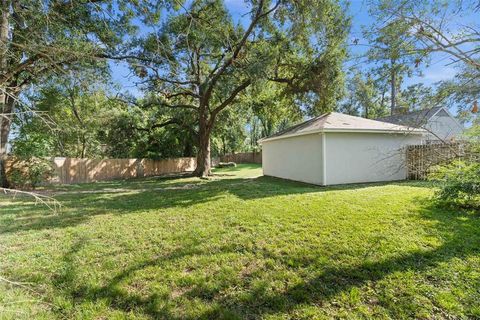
76, 170
246, 157
422, 158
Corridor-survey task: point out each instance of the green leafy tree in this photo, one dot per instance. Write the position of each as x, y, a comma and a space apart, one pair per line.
459, 180
230, 134
40, 38
136, 130
364, 98
461, 92
417, 97
200, 62
450, 27
272, 107
429, 27
393, 53
73, 109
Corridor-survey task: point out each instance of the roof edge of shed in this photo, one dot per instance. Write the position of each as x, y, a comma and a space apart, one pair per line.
398, 131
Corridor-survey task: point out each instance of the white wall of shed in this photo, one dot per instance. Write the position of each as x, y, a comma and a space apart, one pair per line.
366, 157
296, 158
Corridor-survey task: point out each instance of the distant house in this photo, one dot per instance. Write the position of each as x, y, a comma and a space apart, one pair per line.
337, 148
440, 124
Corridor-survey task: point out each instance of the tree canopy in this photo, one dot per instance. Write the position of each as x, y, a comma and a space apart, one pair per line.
41, 39
199, 61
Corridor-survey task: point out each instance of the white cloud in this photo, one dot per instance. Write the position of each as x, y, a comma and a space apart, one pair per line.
439, 73
433, 74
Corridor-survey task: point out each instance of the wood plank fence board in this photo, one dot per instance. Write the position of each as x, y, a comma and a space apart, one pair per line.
78, 170
245, 157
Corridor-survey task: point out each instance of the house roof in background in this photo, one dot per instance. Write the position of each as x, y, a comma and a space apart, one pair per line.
415, 119
338, 122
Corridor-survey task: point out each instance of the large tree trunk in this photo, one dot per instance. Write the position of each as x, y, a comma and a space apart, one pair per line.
6, 109
4, 30
5, 103
204, 165
3, 173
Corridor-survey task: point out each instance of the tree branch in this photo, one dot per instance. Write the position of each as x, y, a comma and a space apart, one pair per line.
177, 106
152, 103
230, 98
157, 125
215, 75
281, 80
187, 93
172, 121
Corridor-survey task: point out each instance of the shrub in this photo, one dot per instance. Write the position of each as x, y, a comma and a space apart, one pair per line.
28, 173
459, 183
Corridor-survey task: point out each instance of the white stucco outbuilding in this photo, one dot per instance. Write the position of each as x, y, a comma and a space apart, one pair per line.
338, 149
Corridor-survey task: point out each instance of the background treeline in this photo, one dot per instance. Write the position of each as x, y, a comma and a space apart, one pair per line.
209, 84
80, 116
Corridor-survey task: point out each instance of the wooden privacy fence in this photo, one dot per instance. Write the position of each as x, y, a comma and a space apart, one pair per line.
77, 170
246, 157
421, 158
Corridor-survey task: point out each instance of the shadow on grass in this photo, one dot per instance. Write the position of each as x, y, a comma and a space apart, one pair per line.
458, 230
118, 298
158, 194
142, 183
133, 184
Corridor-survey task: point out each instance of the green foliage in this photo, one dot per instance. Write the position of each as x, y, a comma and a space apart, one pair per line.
28, 173
33, 140
418, 97
230, 133
363, 97
70, 114
120, 136
410, 33
393, 56
271, 110
46, 36
131, 133
461, 92
459, 183
43, 40
460, 179
450, 27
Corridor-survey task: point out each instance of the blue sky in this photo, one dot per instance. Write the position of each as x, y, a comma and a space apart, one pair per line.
358, 10
434, 72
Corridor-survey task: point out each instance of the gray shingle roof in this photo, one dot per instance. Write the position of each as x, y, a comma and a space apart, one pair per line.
334, 121
415, 119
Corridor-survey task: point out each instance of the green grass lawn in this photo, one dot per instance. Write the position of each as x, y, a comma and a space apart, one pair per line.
238, 246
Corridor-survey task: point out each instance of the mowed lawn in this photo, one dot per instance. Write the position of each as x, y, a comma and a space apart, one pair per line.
238, 246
